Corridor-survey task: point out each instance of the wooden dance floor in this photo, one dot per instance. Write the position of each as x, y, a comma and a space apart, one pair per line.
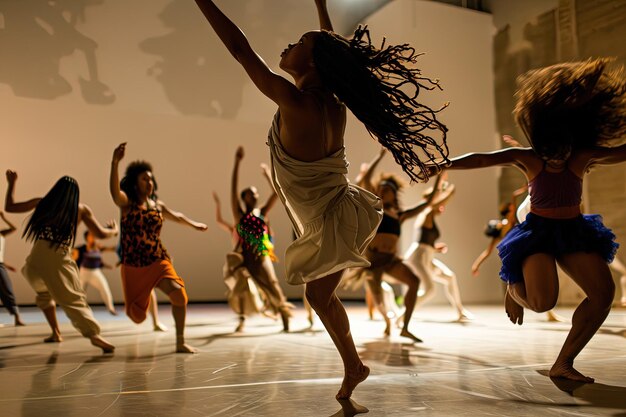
487, 367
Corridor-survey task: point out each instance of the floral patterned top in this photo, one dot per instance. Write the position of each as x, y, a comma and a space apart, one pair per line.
140, 240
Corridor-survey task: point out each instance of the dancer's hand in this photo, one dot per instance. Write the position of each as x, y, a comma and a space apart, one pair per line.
200, 227
11, 176
265, 170
475, 270
118, 153
509, 140
113, 227
441, 247
239, 154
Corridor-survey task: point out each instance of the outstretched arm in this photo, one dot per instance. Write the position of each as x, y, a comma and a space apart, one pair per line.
324, 17
119, 197
12, 206
275, 87
428, 202
364, 179
11, 227
272, 198
607, 156
234, 186
482, 257
180, 218
218, 216
98, 230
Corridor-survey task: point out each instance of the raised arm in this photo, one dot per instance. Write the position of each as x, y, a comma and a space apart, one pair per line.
272, 198
180, 218
12, 206
324, 17
119, 197
364, 179
218, 216
275, 87
422, 205
234, 186
11, 227
98, 230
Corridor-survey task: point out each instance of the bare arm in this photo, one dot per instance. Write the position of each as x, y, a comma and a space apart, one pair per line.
218, 216
119, 197
98, 230
412, 212
12, 206
607, 156
324, 17
180, 218
11, 227
519, 157
275, 87
482, 257
234, 185
272, 198
364, 179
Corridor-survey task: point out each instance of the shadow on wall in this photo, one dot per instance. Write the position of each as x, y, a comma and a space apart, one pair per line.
34, 36
197, 73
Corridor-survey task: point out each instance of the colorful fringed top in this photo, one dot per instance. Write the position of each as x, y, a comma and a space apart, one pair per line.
254, 236
141, 231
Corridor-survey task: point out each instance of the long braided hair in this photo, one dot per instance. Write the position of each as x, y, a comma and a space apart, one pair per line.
571, 106
381, 88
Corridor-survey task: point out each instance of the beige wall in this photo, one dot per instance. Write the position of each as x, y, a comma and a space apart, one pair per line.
76, 80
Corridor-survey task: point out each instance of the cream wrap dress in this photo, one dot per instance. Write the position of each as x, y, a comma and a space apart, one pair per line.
334, 220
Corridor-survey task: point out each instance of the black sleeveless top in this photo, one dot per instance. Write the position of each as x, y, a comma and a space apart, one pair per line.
389, 225
429, 235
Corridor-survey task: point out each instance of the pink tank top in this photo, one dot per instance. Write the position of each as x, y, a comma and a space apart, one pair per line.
555, 190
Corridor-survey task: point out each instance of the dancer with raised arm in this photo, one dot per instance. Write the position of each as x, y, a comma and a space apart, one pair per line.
49, 268
145, 262
421, 254
334, 220
254, 244
6, 287
570, 112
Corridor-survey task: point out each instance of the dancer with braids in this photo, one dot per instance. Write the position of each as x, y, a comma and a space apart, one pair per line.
6, 287
421, 254
145, 262
334, 220
49, 268
571, 113
382, 250
256, 249
88, 257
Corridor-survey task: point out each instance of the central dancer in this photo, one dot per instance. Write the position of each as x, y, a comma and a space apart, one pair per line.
334, 220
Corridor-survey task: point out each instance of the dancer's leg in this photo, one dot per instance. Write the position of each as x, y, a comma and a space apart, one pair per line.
444, 275
593, 276
153, 309
8, 296
403, 273
374, 284
321, 295
99, 282
178, 298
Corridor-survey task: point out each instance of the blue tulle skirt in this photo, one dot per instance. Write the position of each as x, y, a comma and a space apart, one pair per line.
537, 234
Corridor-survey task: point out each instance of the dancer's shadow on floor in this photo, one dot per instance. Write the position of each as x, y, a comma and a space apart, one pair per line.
595, 395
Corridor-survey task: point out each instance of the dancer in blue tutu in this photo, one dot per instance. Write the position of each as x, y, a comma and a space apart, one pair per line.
572, 114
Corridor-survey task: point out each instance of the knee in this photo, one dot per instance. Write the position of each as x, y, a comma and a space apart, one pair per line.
178, 297
543, 303
44, 301
316, 299
603, 297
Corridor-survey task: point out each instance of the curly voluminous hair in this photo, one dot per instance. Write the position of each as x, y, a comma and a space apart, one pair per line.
571, 106
129, 182
381, 88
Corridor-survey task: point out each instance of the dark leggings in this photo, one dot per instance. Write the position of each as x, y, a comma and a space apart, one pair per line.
6, 291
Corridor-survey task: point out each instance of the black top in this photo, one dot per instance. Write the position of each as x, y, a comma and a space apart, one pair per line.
430, 235
389, 225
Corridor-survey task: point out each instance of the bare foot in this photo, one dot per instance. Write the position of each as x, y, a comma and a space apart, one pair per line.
98, 341
18, 321
387, 327
350, 408
465, 315
240, 326
185, 348
552, 317
284, 315
159, 327
513, 310
406, 333
351, 380
567, 371
113, 312
54, 338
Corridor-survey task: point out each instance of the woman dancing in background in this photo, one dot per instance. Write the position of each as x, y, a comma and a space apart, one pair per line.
254, 244
334, 220
6, 287
145, 262
421, 254
88, 257
49, 268
568, 112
